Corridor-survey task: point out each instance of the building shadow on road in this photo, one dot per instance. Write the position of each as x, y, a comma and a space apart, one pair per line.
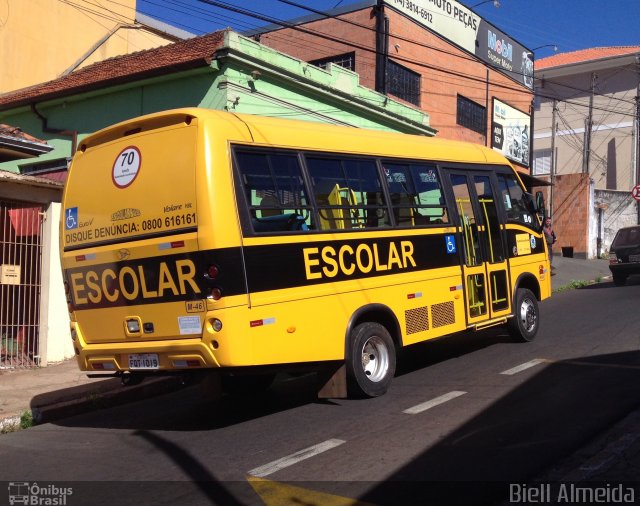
526, 432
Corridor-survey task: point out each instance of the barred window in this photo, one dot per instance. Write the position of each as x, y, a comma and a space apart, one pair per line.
403, 83
471, 115
347, 60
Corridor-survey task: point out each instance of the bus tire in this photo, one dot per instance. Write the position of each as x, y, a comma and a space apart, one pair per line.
371, 360
523, 326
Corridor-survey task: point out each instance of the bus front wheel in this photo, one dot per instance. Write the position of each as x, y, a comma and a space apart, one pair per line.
523, 326
371, 361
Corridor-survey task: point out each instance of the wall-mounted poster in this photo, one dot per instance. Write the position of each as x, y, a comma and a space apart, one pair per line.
511, 132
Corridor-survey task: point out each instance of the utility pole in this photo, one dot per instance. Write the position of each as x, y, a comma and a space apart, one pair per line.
552, 173
636, 150
586, 153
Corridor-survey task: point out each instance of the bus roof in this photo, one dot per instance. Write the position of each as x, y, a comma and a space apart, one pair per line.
270, 131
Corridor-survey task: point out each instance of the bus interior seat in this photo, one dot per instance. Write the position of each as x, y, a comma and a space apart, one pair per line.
270, 206
280, 223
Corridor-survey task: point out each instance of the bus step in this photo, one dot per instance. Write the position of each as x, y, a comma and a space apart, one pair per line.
491, 323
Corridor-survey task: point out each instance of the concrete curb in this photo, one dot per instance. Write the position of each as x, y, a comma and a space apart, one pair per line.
53, 406
9, 424
99, 400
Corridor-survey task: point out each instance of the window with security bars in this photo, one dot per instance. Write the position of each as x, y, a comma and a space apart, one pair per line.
403, 83
471, 115
347, 60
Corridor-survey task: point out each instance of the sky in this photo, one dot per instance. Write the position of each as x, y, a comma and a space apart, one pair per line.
568, 24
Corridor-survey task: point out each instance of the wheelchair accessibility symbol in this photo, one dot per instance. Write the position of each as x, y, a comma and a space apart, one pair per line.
71, 219
450, 241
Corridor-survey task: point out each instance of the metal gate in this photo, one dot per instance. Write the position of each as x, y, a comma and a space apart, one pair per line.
20, 278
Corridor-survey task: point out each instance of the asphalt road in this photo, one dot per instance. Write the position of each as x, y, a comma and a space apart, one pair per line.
465, 417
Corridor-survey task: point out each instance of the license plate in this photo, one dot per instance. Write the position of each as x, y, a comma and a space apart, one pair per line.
144, 361
634, 258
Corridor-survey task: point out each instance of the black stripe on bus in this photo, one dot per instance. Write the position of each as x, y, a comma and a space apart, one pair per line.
291, 265
183, 276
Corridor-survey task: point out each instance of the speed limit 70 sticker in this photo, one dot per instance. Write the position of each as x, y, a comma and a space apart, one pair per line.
126, 167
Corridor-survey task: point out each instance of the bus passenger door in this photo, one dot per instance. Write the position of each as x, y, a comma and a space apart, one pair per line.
485, 266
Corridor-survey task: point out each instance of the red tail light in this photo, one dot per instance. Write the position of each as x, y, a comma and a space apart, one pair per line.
213, 271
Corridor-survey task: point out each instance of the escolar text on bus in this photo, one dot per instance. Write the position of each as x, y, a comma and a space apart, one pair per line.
134, 283
329, 261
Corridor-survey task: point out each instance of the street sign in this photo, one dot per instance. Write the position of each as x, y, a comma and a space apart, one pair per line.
635, 193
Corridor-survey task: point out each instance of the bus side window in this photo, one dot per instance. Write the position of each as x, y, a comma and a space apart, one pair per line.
513, 200
348, 192
416, 194
274, 191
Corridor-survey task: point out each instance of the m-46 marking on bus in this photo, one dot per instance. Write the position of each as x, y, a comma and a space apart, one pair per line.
364, 258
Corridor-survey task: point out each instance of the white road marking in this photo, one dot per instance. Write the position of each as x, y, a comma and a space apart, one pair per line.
522, 367
433, 402
294, 458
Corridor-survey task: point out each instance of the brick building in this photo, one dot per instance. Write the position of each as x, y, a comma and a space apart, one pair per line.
437, 55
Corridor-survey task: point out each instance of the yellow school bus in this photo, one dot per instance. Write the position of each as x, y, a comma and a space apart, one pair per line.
199, 240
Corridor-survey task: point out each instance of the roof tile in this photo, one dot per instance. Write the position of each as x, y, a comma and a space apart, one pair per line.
17, 133
584, 55
160, 60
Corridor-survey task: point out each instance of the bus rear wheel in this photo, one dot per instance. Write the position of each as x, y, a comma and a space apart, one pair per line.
371, 361
523, 326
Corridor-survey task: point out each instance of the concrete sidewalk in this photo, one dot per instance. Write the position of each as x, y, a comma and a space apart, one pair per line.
567, 270
62, 390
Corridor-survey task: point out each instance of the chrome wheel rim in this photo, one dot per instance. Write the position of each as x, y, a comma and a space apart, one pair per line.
528, 316
375, 359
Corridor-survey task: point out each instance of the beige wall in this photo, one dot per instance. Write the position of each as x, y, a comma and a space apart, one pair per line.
41, 39
612, 159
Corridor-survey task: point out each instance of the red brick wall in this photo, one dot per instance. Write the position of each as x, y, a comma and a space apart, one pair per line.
571, 212
446, 70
